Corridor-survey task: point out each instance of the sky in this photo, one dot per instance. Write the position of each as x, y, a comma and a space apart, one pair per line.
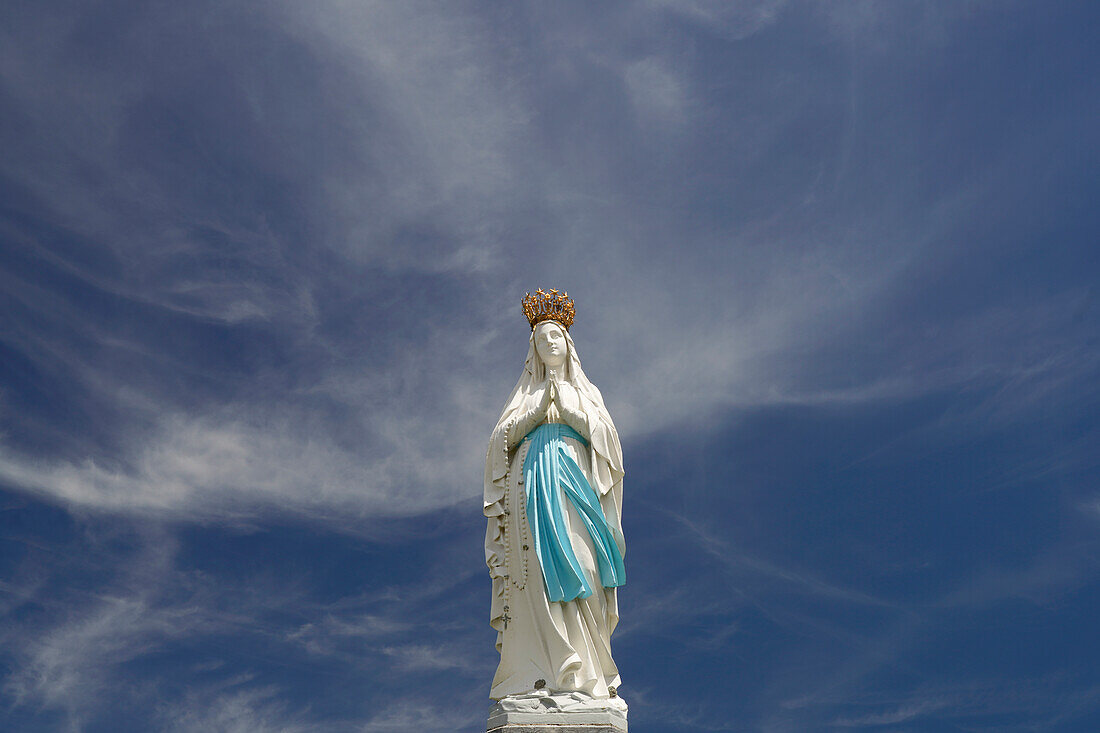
835, 268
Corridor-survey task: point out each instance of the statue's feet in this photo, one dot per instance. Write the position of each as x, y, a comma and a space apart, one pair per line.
558, 711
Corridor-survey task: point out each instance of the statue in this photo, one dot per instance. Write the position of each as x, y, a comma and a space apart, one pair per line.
554, 542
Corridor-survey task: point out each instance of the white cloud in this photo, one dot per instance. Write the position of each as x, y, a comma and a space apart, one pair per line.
420, 713
88, 655
69, 664
657, 92
451, 169
736, 21
899, 715
238, 707
208, 470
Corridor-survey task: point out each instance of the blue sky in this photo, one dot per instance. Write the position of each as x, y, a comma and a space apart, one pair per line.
835, 267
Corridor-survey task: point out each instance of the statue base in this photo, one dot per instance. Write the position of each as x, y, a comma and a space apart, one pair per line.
542, 711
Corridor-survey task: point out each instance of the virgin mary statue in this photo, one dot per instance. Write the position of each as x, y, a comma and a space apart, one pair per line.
553, 500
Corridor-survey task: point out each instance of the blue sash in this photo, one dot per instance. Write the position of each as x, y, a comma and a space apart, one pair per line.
548, 467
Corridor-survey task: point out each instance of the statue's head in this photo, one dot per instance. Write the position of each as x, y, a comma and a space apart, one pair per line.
550, 314
551, 344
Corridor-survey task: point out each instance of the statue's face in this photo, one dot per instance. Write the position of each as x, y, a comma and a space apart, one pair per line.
550, 344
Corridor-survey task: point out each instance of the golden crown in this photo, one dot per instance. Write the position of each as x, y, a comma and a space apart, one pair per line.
548, 306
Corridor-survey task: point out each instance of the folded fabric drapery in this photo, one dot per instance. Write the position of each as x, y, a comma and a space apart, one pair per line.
547, 468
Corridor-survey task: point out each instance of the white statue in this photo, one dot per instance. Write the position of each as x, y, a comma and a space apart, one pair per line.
554, 542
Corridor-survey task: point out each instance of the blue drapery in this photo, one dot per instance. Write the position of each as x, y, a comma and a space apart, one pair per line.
550, 473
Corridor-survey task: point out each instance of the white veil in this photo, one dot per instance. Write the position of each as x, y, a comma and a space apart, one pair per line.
606, 452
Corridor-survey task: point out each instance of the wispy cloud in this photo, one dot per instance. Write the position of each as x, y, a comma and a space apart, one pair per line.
298, 321
732, 20
259, 273
229, 639
902, 714
237, 707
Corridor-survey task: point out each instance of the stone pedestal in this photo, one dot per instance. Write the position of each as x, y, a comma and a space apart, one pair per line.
542, 711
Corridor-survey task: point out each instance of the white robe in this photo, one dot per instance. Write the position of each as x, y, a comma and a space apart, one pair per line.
566, 645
